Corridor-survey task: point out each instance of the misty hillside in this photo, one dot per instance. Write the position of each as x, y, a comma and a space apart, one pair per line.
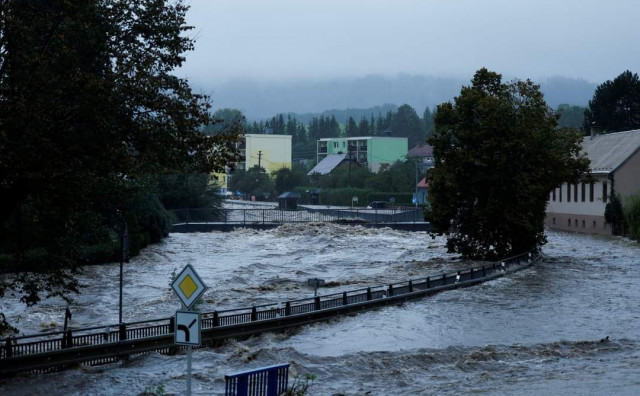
260, 99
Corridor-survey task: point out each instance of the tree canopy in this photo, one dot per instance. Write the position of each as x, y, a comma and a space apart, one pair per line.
89, 108
615, 105
498, 154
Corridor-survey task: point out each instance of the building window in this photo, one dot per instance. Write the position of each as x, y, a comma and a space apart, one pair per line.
594, 224
584, 224
576, 222
568, 222
344, 144
583, 192
604, 191
560, 193
568, 192
554, 221
575, 192
591, 192
554, 194
335, 144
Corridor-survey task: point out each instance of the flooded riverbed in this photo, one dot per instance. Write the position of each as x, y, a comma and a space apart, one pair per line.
539, 331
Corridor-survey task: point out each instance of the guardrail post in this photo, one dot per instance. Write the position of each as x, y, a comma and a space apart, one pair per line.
9, 348
390, 290
345, 300
67, 339
216, 319
123, 332
262, 216
287, 308
369, 297
254, 314
410, 286
316, 303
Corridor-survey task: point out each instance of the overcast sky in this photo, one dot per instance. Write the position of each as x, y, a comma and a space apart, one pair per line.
283, 39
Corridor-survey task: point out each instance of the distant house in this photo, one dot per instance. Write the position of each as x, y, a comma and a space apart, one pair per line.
369, 151
615, 166
422, 191
423, 153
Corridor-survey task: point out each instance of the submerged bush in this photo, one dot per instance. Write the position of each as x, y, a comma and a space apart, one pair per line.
631, 210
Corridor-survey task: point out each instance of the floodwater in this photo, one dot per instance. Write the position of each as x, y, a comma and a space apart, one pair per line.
540, 331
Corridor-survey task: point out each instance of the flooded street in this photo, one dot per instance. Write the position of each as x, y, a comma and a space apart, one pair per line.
539, 331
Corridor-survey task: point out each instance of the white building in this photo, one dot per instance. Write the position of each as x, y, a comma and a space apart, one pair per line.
615, 167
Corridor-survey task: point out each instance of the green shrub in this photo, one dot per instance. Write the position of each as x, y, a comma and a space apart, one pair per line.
631, 210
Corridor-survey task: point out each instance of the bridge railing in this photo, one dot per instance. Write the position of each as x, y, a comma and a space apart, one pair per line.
265, 381
57, 340
303, 215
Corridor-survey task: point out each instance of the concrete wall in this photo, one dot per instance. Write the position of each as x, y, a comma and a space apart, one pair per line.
276, 151
387, 150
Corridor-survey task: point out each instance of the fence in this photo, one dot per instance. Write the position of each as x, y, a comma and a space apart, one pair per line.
307, 215
266, 381
103, 344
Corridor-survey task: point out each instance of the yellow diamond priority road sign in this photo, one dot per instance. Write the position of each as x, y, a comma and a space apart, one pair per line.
188, 286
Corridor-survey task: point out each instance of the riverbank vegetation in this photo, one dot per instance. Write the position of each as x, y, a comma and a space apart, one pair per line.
498, 153
397, 181
95, 132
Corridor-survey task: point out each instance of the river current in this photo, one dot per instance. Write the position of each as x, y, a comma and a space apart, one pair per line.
539, 331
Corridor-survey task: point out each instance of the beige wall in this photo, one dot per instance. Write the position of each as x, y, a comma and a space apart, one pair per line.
627, 177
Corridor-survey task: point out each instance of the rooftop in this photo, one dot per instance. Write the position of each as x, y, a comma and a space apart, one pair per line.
327, 164
421, 150
608, 152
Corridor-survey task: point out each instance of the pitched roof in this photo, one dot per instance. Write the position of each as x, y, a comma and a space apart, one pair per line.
608, 152
327, 164
289, 194
423, 183
421, 150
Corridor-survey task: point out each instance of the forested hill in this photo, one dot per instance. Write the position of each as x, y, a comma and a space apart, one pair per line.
260, 100
342, 116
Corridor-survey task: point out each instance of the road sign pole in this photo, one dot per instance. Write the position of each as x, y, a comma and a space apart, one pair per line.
189, 370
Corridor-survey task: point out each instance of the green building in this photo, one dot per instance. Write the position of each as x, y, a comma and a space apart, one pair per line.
369, 151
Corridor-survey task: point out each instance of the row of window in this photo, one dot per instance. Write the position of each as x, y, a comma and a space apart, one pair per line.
584, 223
557, 192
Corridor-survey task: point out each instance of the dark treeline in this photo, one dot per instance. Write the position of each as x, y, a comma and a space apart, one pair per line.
402, 122
95, 133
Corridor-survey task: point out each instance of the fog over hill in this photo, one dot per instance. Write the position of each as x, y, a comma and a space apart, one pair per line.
263, 99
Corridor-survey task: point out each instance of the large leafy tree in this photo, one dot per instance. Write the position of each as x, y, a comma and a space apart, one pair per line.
406, 123
615, 105
498, 153
88, 107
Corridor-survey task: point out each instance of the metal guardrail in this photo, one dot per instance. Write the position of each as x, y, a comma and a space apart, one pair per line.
303, 215
104, 344
266, 381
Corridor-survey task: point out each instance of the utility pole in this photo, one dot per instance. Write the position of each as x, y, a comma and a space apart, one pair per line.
124, 258
349, 157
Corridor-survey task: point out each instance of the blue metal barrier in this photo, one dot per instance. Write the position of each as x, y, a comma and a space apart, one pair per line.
265, 381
